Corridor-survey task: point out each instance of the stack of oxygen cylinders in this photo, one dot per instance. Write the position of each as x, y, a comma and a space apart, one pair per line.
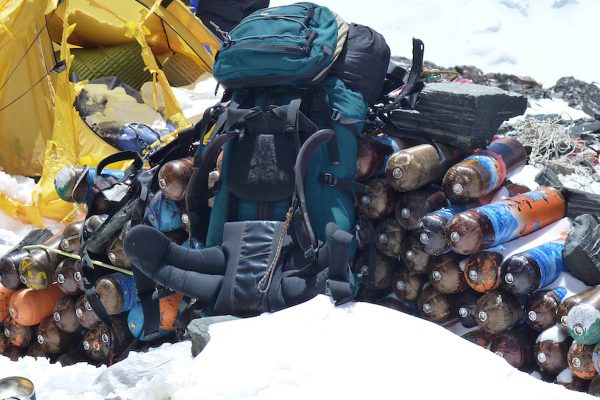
43, 309
449, 238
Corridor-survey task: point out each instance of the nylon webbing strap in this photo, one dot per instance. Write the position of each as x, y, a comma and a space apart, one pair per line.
338, 278
347, 185
412, 85
197, 198
302, 226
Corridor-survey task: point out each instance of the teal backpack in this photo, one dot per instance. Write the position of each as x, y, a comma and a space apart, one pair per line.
275, 66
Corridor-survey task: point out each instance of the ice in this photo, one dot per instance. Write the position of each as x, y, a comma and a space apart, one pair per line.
554, 333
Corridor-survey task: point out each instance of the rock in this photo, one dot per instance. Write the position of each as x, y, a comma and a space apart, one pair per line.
579, 94
459, 114
198, 331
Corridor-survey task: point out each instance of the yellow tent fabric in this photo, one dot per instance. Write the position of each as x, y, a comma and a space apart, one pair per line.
40, 130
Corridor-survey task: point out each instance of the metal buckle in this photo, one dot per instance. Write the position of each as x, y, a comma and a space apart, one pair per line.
328, 179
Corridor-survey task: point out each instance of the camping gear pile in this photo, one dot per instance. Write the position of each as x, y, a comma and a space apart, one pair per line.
412, 179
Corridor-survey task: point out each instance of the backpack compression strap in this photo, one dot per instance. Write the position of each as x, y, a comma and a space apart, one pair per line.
413, 84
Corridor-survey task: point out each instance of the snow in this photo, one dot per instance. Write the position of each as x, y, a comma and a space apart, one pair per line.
554, 333
538, 38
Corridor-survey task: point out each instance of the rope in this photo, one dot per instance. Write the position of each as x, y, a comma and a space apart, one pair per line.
76, 257
271, 269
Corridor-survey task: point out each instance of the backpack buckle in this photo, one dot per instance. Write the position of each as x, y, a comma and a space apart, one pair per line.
328, 179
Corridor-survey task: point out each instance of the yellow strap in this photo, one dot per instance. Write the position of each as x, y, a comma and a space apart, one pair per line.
76, 257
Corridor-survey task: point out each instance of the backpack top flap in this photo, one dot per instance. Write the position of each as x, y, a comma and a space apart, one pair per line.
285, 46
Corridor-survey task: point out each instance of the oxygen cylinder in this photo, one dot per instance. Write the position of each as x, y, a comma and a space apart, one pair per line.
436, 306
5, 295
17, 335
29, 307
73, 184
418, 166
36, 270
479, 337
407, 285
483, 271
533, 269
447, 276
388, 237
412, 206
466, 305
97, 343
497, 312
69, 276
115, 252
515, 346
583, 320
541, 307
378, 202
371, 157
551, 348
571, 381
474, 230
71, 242
432, 230
413, 256
581, 361
85, 314
385, 268
484, 171
168, 316
64, 315
173, 177
117, 293
52, 339
568, 303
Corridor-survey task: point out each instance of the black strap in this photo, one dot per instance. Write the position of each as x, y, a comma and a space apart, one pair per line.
366, 225
197, 198
347, 185
302, 226
338, 278
413, 84
137, 165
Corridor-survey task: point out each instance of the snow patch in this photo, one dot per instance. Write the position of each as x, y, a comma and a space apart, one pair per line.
16, 187
554, 333
566, 376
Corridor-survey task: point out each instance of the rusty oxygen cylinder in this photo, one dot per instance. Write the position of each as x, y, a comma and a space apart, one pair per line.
388, 237
52, 339
85, 314
581, 362
371, 158
168, 309
36, 270
5, 295
479, 337
97, 343
568, 303
378, 202
435, 306
117, 293
474, 230
583, 320
64, 315
29, 307
516, 347
71, 242
540, 308
412, 206
533, 269
432, 230
407, 285
413, 256
497, 312
483, 271
69, 276
484, 171
418, 166
466, 305
447, 276
8, 350
385, 268
173, 177
115, 252
17, 335
93, 223
571, 381
551, 348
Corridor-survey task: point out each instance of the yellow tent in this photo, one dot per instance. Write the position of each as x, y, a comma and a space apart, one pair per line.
40, 130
